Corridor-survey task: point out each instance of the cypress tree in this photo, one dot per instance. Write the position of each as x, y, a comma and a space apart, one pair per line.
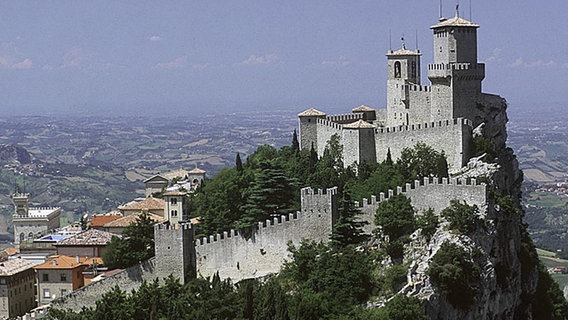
388, 160
295, 143
239, 163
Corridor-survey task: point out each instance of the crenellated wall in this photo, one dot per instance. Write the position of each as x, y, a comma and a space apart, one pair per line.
428, 193
235, 256
451, 136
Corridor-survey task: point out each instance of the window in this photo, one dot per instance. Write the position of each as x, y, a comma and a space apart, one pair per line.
45, 277
397, 69
173, 200
174, 213
63, 277
2, 281
46, 293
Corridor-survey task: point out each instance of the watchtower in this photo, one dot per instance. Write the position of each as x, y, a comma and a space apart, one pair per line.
21, 203
175, 251
173, 206
403, 70
308, 128
455, 74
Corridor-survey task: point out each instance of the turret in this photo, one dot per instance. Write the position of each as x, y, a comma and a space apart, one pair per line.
308, 128
173, 206
403, 70
21, 203
455, 74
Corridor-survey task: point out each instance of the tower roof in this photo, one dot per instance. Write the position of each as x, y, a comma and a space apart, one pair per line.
362, 108
456, 21
311, 112
360, 124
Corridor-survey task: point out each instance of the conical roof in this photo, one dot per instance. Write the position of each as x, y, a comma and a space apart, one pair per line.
359, 124
456, 21
311, 112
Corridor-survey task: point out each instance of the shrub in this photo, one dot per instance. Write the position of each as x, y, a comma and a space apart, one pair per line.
462, 217
455, 275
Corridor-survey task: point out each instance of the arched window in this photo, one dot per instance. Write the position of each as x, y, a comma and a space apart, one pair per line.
397, 69
30, 236
22, 237
173, 200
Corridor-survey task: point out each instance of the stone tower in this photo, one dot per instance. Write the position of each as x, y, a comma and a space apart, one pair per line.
308, 128
403, 70
21, 203
175, 250
455, 74
173, 206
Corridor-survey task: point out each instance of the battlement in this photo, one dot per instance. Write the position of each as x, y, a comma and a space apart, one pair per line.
421, 126
425, 183
345, 118
417, 88
175, 226
428, 193
329, 123
310, 191
441, 70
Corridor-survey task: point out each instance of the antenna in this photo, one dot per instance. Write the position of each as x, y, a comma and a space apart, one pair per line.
470, 18
440, 9
403, 42
416, 38
390, 40
458, 8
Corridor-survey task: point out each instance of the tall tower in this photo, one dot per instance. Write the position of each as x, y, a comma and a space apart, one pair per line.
173, 206
21, 203
455, 74
403, 70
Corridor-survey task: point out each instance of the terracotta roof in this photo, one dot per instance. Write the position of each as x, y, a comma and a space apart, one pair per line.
156, 176
360, 124
310, 113
454, 22
196, 170
130, 219
11, 251
362, 108
181, 173
13, 266
67, 262
91, 237
146, 204
99, 220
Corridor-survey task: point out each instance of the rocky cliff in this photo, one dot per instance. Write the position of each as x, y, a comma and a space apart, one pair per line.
500, 248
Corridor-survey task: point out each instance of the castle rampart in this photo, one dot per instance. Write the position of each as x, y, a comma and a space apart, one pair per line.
237, 257
450, 136
345, 118
428, 193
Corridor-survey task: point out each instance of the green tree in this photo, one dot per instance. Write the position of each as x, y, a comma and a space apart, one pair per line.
136, 244
428, 222
239, 163
396, 217
455, 275
421, 161
462, 217
401, 307
295, 143
348, 230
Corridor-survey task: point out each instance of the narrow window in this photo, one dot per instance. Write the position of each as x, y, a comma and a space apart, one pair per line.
397, 69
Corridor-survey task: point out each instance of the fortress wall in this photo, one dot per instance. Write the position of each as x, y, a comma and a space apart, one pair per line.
450, 136
238, 258
429, 193
326, 129
174, 250
345, 118
128, 279
419, 99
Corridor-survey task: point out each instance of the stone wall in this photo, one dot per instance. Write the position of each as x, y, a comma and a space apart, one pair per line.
128, 280
175, 252
451, 136
429, 193
326, 129
236, 256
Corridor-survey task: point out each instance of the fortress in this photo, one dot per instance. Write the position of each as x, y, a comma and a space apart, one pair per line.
442, 115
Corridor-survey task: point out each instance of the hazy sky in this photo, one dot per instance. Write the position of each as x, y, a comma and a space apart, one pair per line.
214, 56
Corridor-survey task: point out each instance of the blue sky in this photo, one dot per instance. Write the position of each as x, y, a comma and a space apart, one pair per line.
196, 57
